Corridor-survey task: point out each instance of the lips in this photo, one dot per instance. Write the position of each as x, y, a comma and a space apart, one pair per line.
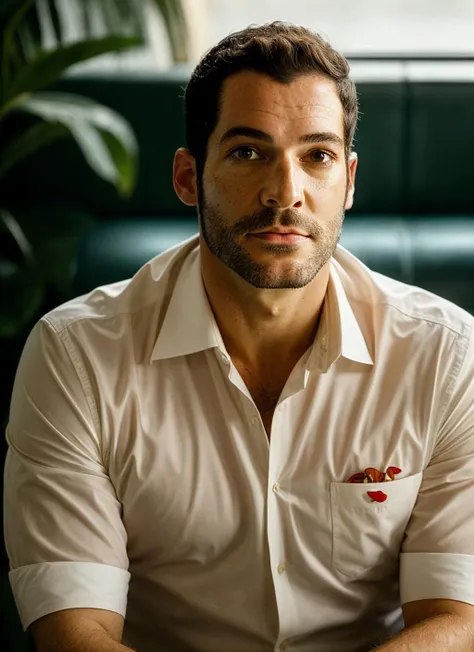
280, 231
281, 237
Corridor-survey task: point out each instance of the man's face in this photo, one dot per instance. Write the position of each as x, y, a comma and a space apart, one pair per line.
276, 180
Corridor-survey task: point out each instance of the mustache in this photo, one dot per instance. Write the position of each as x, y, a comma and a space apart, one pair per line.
269, 217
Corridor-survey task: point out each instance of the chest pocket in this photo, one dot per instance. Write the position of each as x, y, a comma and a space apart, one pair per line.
366, 535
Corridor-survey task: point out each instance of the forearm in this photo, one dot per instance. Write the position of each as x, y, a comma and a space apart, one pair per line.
90, 639
442, 633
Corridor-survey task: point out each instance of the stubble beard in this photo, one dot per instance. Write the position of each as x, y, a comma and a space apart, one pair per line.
222, 241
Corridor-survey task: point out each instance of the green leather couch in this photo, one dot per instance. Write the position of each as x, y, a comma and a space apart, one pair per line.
413, 217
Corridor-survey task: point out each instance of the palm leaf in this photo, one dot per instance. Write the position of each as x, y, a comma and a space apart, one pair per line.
47, 67
27, 42
13, 10
46, 22
30, 25
28, 142
8, 8
121, 17
11, 21
176, 27
104, 137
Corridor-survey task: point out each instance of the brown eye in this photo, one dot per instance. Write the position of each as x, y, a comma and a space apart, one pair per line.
244, 154
318, 156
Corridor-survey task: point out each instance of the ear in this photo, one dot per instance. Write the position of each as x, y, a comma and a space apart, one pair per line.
351, 173
184, 177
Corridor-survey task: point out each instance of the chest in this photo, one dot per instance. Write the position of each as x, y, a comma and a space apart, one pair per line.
265, 392
196, 471
196, 474
199, 498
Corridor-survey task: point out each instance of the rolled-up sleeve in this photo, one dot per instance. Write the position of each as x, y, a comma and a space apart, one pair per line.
437, 559
64, 534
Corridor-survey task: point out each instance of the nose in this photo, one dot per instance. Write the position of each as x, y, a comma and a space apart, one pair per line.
282, 187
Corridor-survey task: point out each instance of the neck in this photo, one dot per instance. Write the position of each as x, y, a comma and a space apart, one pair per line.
259, 326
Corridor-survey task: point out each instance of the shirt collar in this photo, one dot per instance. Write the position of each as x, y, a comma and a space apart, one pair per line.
339, 333
189, 325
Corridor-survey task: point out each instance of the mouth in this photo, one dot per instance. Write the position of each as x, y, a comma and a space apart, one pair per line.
281, 236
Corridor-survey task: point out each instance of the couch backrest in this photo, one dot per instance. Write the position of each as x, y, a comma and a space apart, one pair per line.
415, 142
440, 141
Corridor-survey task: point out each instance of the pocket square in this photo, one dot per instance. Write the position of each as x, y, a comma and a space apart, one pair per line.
370, 474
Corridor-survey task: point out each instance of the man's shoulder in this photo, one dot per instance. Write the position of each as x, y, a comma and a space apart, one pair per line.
394, 300
415, 303
116, 302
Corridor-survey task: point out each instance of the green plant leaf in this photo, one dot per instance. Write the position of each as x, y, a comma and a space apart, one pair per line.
121, 17
27, 42
10, 22
176, 28
9, 7
126, 165
10, 225
33, 23
21, 284
50, 65
104, 137
46, 24
37, 136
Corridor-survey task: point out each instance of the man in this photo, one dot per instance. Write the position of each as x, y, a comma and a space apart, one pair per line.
273, 444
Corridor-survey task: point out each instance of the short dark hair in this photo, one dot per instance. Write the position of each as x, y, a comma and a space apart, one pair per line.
280, 50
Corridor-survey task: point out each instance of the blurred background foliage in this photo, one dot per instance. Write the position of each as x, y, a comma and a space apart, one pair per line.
37, 246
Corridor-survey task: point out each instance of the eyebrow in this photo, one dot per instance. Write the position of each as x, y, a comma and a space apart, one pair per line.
249, 132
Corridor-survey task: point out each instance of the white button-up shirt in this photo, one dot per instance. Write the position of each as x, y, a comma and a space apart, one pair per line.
140, 478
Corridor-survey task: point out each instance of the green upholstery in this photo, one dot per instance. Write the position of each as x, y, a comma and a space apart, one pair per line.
117, 248
414, 140
440, 171
380, 145
154, 106
404, 249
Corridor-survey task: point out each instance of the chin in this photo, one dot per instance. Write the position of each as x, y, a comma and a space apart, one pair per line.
279, 277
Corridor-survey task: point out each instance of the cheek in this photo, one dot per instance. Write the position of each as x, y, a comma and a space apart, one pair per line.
328, 192
229, 191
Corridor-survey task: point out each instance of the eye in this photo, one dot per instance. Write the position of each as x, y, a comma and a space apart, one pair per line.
320, 156
245, 154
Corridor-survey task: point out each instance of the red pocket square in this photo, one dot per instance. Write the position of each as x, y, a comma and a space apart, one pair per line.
370, 474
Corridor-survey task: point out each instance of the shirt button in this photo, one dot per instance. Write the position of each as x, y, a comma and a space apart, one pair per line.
281, 568
283, 645
255, 421
282, 407
276, 487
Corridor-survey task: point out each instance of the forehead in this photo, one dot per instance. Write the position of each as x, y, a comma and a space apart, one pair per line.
307, 104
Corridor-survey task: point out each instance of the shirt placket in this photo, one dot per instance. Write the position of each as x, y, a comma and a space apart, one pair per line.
279, 448
280, 567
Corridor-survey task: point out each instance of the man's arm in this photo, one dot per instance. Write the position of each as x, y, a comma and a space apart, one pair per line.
437, 553
434, 626
79, 630
64, 532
